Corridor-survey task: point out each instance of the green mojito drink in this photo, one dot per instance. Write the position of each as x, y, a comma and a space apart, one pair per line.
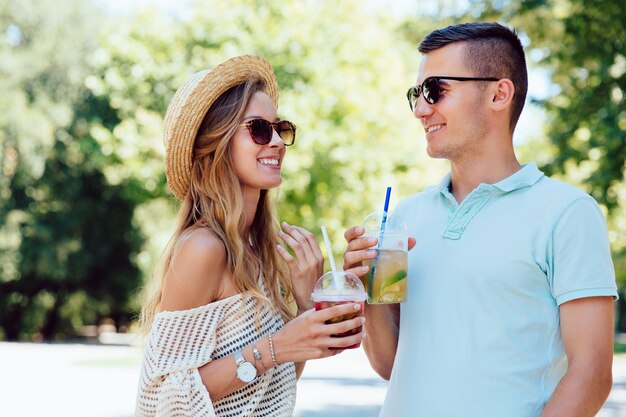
386, 282
389, 283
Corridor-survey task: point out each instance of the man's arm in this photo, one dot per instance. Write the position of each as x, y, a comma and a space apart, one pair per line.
382, 328
587, 331
382, 323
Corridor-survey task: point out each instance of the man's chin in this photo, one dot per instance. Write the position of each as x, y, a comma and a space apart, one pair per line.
435, 153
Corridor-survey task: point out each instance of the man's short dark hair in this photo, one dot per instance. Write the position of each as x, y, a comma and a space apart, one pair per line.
492, 50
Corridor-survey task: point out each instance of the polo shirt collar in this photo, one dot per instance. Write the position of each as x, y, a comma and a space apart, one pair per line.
459, 216
528, 175
525, 177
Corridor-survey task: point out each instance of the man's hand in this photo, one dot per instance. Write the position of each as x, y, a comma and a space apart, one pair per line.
358, 250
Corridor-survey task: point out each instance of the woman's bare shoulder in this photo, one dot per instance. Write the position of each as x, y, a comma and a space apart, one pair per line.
196, 272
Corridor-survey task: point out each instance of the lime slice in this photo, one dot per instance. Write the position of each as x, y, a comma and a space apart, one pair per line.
398, 276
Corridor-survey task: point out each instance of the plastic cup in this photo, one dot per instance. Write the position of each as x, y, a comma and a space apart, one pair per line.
334, 288
386, 282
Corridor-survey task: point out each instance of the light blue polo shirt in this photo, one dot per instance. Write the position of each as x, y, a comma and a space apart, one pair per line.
479, 334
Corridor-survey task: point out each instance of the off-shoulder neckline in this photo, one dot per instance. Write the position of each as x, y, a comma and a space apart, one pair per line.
200, 308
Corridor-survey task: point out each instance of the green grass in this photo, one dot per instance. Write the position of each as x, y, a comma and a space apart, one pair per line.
619, 348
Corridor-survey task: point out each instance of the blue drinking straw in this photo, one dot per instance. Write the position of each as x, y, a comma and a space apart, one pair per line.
384, 222
380, 241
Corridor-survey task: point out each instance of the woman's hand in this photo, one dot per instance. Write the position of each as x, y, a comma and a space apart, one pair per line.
307, 265
309, 337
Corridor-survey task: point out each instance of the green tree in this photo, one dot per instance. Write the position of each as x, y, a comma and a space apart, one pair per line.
82, 150
342, 70
66, 235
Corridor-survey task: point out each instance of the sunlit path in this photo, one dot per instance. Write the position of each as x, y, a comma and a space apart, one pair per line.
77, 380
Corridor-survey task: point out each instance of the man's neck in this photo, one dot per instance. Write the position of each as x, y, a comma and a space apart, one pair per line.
467, 175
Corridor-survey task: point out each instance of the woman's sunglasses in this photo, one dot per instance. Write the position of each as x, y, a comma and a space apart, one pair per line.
432, 91
262, 131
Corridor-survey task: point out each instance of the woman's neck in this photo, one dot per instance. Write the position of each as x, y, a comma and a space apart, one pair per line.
250, 203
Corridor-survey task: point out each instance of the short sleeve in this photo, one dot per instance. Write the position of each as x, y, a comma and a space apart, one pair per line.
578, 254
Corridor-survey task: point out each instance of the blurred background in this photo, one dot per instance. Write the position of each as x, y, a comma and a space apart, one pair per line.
84, 208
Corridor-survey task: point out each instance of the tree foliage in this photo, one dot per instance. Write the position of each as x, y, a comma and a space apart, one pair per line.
66, 235
76, 225
84, 92
342, 85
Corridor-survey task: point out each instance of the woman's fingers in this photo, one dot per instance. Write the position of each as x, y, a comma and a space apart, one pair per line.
309, 337
316, 253
336, 311
308, 264
293, 244
353, 326
294, 235
345, 341
346, 325
284, 253
301, 234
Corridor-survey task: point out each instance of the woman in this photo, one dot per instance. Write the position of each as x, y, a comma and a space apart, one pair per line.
223, 337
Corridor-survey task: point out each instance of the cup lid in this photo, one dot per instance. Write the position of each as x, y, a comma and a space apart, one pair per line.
374, 220
338, 286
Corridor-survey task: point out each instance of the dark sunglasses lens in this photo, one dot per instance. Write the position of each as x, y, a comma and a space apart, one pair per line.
261, 131
431, 90
413, 95
287, 131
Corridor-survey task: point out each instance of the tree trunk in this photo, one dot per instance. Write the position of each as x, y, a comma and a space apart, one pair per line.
53, 318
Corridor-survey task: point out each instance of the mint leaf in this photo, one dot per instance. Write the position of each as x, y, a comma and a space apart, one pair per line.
398, 276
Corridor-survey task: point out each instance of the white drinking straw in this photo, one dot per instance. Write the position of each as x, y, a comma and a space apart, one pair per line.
331, 258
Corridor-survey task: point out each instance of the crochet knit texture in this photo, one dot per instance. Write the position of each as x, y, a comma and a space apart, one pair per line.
182, 341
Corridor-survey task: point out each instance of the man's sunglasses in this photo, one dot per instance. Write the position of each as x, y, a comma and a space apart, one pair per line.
432, 91
262, 131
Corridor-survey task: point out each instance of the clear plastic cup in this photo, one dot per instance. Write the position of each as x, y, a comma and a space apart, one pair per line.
334, 288
386, 282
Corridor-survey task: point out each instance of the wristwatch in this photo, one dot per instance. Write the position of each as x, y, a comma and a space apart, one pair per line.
246, 372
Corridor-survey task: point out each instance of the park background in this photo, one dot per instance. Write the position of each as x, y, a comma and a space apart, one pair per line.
84, 208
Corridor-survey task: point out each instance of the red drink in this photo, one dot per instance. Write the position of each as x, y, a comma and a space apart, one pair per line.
319, 305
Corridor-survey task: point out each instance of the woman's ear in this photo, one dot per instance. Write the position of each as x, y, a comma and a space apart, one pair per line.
502, 94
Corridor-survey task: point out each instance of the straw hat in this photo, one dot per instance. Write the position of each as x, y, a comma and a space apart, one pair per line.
189, 106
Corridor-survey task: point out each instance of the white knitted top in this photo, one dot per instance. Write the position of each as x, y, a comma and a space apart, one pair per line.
182, 341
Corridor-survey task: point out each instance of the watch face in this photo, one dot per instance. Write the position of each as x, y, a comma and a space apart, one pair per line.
246, 372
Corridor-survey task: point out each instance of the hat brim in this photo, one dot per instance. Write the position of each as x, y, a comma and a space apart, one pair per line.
190, 104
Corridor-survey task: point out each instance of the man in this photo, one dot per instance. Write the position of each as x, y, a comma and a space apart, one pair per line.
511, 284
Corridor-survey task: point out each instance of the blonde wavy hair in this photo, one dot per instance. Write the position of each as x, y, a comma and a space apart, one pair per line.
215, 201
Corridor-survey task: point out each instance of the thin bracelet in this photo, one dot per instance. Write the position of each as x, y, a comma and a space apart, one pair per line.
272, 349
257, 356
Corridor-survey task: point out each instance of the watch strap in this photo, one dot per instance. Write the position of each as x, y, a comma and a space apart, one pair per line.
239, 359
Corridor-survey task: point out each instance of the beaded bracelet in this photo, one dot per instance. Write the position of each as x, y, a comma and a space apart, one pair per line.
272, 350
